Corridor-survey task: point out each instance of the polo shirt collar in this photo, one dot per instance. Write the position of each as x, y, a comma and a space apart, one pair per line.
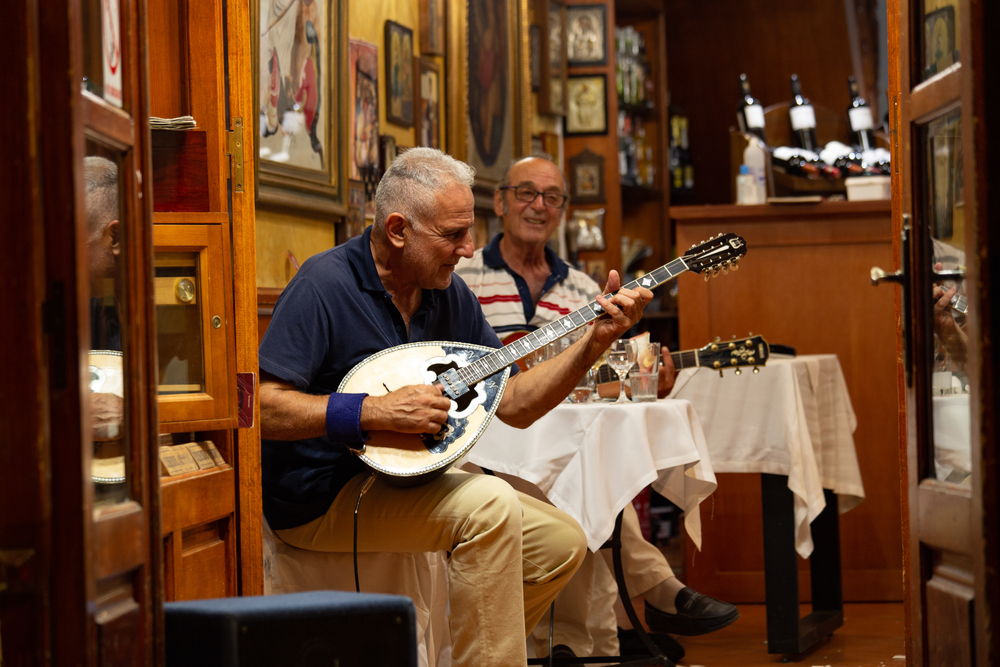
359, 253
493, 259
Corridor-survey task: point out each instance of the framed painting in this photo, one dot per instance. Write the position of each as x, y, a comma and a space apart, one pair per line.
398, 74
428, 121
939, 40
586, 35
363, 104
534, 56
387, 152
586, 178
298, 83
551, 17
586, 98
432, 27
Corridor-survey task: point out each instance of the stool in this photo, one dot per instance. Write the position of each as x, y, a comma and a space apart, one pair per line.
314, 629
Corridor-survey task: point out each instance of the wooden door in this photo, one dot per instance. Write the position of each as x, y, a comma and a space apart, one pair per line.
79, 548
944, 77
206, 296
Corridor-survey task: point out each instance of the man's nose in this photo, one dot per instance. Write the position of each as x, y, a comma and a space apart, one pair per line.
467, 247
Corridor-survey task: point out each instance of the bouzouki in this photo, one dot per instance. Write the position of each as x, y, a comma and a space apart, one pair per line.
474, 377
720, 355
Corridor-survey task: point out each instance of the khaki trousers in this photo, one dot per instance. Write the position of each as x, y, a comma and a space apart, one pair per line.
510, 553
585, 619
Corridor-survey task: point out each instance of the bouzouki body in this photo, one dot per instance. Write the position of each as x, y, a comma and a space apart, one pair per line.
474, 377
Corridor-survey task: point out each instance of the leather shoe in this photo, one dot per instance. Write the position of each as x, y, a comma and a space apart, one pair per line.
697, 614
630, 644
562, 655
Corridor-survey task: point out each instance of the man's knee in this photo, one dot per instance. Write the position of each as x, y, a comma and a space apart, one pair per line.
491, 503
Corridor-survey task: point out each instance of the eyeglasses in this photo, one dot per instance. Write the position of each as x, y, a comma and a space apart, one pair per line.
527, 195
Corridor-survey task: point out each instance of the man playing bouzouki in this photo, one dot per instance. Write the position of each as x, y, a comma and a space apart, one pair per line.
510, 553
522, 285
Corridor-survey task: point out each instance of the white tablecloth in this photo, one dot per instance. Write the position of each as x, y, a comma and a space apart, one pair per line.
591, 460
792, 418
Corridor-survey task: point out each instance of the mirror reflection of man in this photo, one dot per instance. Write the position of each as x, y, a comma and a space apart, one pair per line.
103, 253
522, 285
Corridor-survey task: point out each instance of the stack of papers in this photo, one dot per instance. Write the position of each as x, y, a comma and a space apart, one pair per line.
179, 123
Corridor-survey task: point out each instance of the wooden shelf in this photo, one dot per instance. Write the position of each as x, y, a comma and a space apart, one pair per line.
633, 193
823, 209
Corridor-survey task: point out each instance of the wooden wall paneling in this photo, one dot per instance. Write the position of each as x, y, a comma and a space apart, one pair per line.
776, 38
246, 537
206, 90
168, 69
208, 553
24, 486
804, 283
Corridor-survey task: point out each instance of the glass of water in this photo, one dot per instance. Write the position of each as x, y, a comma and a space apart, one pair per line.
620, 356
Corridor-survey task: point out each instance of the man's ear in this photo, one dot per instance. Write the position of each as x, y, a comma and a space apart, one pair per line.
114, 232
499, 205
396, 228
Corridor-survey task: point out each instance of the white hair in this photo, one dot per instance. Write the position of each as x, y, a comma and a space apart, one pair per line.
412, 182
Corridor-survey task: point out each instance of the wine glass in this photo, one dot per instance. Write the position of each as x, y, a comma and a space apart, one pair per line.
621, 356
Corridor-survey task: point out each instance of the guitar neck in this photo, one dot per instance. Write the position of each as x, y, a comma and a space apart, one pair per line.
539, 338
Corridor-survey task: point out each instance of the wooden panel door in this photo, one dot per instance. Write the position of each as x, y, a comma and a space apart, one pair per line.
944, 77
80, 551
804, 283
206, 291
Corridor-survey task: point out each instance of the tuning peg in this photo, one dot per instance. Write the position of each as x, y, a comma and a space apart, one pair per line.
720, 373
734, 336
707, 275
739, 372
756, 370
725, 268
718, 339
735, 266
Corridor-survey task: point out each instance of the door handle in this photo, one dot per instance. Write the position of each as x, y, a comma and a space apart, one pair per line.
901, 278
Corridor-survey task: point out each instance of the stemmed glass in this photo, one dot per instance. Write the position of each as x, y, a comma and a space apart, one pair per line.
621, 356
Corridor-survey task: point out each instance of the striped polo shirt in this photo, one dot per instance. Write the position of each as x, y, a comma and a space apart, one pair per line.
506, 299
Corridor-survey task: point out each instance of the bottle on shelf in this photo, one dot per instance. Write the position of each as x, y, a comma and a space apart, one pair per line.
794, 162
860, 116
686, 160
676, 168
622, 148
750, 113
803, 117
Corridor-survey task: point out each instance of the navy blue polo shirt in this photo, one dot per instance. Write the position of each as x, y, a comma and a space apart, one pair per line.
334, 314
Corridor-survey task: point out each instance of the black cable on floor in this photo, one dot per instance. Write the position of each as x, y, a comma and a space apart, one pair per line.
367, 484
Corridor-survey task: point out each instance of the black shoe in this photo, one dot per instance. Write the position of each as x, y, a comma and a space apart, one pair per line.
630, 644
563, 656
697, 614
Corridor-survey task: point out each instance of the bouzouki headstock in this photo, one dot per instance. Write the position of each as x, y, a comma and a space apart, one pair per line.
736, 353
718, 254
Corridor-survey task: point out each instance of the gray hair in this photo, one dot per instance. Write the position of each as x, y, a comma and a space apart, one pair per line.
538, 155
101, 175
412, 182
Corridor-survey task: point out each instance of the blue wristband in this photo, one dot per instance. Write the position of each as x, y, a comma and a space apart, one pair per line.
343, 417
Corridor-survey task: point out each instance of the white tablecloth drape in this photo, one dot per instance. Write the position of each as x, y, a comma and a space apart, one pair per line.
590, 460
792, 418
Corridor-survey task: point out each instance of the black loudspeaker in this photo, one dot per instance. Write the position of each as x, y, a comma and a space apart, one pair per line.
314, 629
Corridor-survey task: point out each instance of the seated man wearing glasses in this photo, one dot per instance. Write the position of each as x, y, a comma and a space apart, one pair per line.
522, 285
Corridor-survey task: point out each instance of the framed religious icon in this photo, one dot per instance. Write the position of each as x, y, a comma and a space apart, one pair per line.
398, 74
939, 40
297, 89
586, 99
586, 178
363, 106
432, 27
534, 56
551, 17
586, 35
428, 119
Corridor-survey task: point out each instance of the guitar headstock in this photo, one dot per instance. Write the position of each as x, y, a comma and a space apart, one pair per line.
736, 353
720, 253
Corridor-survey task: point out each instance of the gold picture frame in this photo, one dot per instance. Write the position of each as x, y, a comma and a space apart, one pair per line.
551, 18
300, 163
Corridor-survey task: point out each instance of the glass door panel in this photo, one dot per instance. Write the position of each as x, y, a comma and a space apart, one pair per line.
178, 278
103, 50
938, 46
944, 206
108, 232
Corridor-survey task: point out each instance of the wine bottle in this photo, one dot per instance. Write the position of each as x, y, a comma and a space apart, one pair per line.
750, 113
791, 161
676, 168
803, 117
860, 116
686, 161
